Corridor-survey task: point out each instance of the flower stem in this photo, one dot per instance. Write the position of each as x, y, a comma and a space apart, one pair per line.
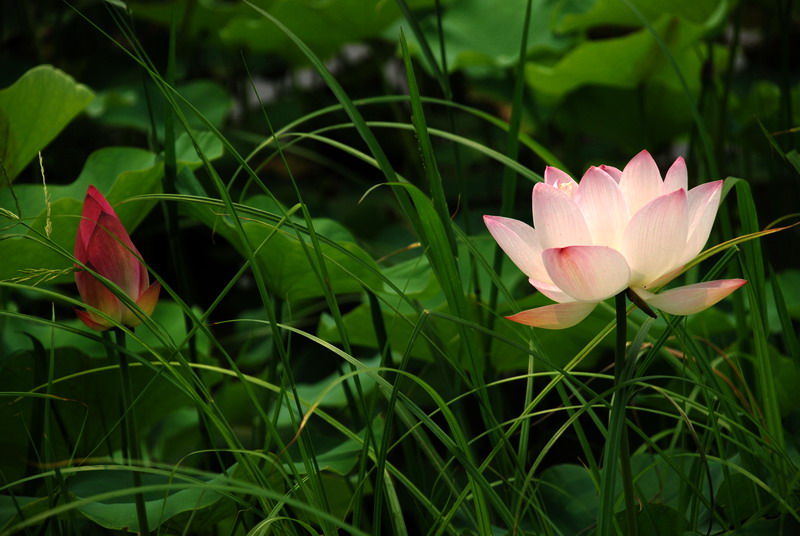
129, 429
624, 450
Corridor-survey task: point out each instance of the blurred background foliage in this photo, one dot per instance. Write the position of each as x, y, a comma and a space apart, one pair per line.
599, 85
707, 79
716, 81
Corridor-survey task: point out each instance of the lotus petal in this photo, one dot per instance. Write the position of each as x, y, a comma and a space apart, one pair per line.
558, 219
603, 206
691, 298
95, 293
551, 291
640, 181
520, 242
614, 173
587, 273
655, 239
146, 302
93, 321
703, 202
677, 177
104, 247
558, 179
557, 316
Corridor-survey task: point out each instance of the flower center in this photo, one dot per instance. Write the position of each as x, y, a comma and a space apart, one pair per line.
566, 187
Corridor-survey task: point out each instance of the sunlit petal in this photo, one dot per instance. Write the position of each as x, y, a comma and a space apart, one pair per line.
520, 242
703, 202
560, 180
664, 278
677, 178
551, 291
555, 177
655, 238
558, 219
691, 298
640, 181
603, 206
557, 316
613, 172
587, 273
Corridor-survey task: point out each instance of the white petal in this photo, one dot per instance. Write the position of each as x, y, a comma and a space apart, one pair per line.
703, 202
603, 207
640, 181
555, 177
558, 219
520, 242
557, 316
615, 173
587, 273
677, 177
664, 278
691, 298
559, 180
551, 291
655, 239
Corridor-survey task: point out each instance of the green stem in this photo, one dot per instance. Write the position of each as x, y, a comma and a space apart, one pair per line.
129, 429
624, 451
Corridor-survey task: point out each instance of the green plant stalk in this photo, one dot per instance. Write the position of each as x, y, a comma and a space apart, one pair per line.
129, 428
624, 450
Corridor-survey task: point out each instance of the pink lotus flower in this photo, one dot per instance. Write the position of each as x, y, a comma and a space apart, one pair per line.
616, 230
103, 244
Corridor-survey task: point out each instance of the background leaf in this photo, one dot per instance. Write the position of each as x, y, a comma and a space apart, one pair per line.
33, 111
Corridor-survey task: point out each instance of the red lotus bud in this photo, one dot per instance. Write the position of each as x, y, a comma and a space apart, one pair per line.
103, 245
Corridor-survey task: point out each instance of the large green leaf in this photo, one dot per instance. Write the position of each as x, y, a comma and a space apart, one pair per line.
340, 457
323, 26
559, 346
787, 381
627, 61
582, 14
186, 154
119, 512
128, 106
658, 479
361, 332
33, 111
487, 34
658, 520
789, 281
569, 494
284, 262
570, 497
329, 392
168, 315
86, 400
739, 497
11, 506
119, 172
647, 115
